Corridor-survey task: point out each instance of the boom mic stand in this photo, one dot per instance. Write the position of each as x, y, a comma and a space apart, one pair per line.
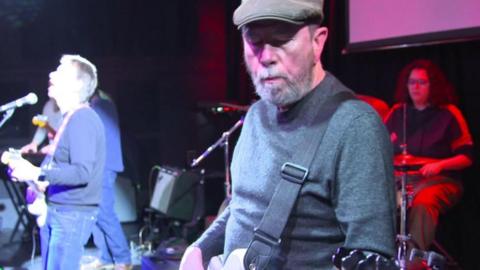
222, 141
8, 113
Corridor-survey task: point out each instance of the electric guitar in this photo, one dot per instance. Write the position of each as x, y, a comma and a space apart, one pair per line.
234, 261
36, 204
342, 259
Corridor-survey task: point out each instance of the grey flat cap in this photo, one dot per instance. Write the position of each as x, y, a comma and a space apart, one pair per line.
292, 11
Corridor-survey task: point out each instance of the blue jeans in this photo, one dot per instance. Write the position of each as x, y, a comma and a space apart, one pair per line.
64, 235
107, 233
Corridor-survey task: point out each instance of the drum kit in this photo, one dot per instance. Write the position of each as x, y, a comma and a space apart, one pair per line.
407, 175
409, 166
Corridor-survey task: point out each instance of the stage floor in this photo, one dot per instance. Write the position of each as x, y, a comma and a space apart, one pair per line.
17, 254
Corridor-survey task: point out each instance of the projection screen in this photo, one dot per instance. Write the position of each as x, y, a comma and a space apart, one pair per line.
386, 24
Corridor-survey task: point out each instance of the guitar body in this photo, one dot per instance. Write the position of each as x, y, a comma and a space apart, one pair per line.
342, 259
233, 262
36, 204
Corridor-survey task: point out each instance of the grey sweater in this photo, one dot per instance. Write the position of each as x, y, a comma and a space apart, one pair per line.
76, 167
348, 199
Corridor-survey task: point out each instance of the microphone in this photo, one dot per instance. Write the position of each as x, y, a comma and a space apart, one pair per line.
29, 99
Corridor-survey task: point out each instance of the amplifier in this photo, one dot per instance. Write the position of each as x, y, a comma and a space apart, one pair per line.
175, 193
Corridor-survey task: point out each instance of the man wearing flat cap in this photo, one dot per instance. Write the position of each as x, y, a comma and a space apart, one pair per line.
347, 197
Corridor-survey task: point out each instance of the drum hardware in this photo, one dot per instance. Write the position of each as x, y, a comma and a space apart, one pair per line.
403, 237
434, 260
406, 166
410, 162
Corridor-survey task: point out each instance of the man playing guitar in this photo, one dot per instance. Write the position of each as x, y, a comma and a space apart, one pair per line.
73, 168
347, 196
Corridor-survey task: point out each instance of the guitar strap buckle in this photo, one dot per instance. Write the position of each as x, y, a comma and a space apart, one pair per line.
294, 173
259, 235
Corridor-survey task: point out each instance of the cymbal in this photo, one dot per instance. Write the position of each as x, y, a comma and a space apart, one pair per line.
409, 160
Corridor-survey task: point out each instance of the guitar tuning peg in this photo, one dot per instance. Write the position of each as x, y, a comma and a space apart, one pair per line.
368, 264
339, 254
385, 264
350, 262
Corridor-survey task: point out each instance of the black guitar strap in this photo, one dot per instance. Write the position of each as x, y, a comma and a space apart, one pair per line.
293, 174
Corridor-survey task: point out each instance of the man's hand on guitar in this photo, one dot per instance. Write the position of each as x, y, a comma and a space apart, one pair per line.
192, 259
47, 149
29, 148
22, 170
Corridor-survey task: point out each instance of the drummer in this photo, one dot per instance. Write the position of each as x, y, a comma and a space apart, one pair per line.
437, 141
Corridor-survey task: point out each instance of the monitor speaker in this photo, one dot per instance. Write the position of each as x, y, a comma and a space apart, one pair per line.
175, 193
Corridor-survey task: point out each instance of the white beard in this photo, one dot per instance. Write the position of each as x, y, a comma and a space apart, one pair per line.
286, 91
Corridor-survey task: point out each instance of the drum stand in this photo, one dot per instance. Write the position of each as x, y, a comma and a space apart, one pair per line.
403, 237
433, 259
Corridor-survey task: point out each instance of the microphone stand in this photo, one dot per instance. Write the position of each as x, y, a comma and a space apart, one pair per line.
222, 141
8, 113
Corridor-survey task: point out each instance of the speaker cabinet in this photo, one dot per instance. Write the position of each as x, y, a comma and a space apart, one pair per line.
175, 193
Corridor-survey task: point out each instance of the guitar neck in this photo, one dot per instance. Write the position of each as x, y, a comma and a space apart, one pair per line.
42, 122
50, 129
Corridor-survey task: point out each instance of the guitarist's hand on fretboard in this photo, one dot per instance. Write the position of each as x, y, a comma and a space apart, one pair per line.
29, 148
41, 121
47, 149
